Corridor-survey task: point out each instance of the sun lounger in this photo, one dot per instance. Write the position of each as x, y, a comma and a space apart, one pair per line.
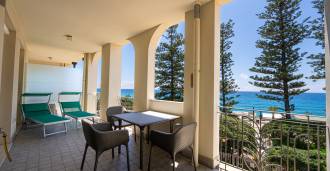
40, 113
73, 108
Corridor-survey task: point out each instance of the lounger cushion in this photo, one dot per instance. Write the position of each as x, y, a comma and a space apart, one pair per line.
68, 107
35, 107
73, 109
79, 114
39, 112
47, 118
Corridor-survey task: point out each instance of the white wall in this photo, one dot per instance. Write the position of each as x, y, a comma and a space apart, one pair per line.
55, 79
167, 106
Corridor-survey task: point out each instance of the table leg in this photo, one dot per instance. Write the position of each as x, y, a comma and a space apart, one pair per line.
119, 147
148, 134
141, 146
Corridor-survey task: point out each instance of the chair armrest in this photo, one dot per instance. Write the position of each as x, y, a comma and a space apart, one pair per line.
109, 139
184, 137
163, 140
177, 127
102, 126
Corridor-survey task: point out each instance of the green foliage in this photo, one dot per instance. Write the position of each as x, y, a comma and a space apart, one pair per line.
290, 140
290, 154
317, 61
276, 68
127, 102
169, 66
228, 88
231, 133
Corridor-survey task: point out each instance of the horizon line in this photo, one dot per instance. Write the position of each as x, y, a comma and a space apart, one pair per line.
240, 91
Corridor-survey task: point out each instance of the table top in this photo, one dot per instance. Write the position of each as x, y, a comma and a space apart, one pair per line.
145, 118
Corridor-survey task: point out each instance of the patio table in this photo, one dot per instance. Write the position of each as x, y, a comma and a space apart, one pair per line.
145, 119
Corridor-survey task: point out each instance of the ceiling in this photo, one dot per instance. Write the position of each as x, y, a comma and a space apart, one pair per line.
91, 23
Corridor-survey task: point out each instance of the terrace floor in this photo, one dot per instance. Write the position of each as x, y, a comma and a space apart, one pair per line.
65, 151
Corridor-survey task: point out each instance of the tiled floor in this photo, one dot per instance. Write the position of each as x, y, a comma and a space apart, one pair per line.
64, 152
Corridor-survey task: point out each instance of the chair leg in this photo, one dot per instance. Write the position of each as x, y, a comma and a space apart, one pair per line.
173, 158
149, 157
193, 158
113, 153
134, 132
119, 149
127, 154
96, 160
83, 160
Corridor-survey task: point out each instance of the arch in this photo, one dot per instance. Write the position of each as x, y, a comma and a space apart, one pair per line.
145, 45
166, 39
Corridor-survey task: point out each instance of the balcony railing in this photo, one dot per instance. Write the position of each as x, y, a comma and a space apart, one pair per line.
266, 140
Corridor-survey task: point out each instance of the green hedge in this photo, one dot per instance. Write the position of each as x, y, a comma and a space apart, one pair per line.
127, 102
295, 134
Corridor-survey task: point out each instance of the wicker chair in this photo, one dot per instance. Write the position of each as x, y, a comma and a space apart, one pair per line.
114, 110
100, 137
175, 142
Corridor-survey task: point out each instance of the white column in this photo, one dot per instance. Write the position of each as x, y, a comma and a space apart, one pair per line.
327, 66
192, 71
145, 45
2, 33
111, 77
21, 84
208, 120
90, 82
9, 84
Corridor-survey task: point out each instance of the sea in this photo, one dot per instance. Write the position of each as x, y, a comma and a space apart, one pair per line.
306, 103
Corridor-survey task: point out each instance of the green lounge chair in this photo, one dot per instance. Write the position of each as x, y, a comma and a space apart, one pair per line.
40, 113
73, 108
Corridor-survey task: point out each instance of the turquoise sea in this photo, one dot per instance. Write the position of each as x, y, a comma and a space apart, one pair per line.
312, 103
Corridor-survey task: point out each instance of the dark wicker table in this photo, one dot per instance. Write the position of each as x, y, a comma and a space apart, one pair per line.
146, 119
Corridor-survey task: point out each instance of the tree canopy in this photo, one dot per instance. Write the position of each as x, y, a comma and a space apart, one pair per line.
170, 66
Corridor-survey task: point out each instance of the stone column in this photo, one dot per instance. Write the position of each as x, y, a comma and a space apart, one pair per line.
209, 64
21, 85
327, 66
90, 82
2, 33
145, 45
111, 77
9, 84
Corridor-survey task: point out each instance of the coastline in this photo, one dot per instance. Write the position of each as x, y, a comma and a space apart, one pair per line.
311, 103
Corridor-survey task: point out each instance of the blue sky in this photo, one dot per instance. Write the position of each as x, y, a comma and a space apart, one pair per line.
243, 12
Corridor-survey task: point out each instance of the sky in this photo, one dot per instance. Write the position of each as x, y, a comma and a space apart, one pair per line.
243, 13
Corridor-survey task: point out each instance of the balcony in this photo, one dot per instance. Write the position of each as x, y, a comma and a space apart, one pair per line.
58, 34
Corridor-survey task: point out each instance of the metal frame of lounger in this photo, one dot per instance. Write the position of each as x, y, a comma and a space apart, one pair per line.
79, 100
40, 123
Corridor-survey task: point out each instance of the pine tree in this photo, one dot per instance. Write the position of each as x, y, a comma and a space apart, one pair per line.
317, 61
228, 88
277, 66
169, 66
